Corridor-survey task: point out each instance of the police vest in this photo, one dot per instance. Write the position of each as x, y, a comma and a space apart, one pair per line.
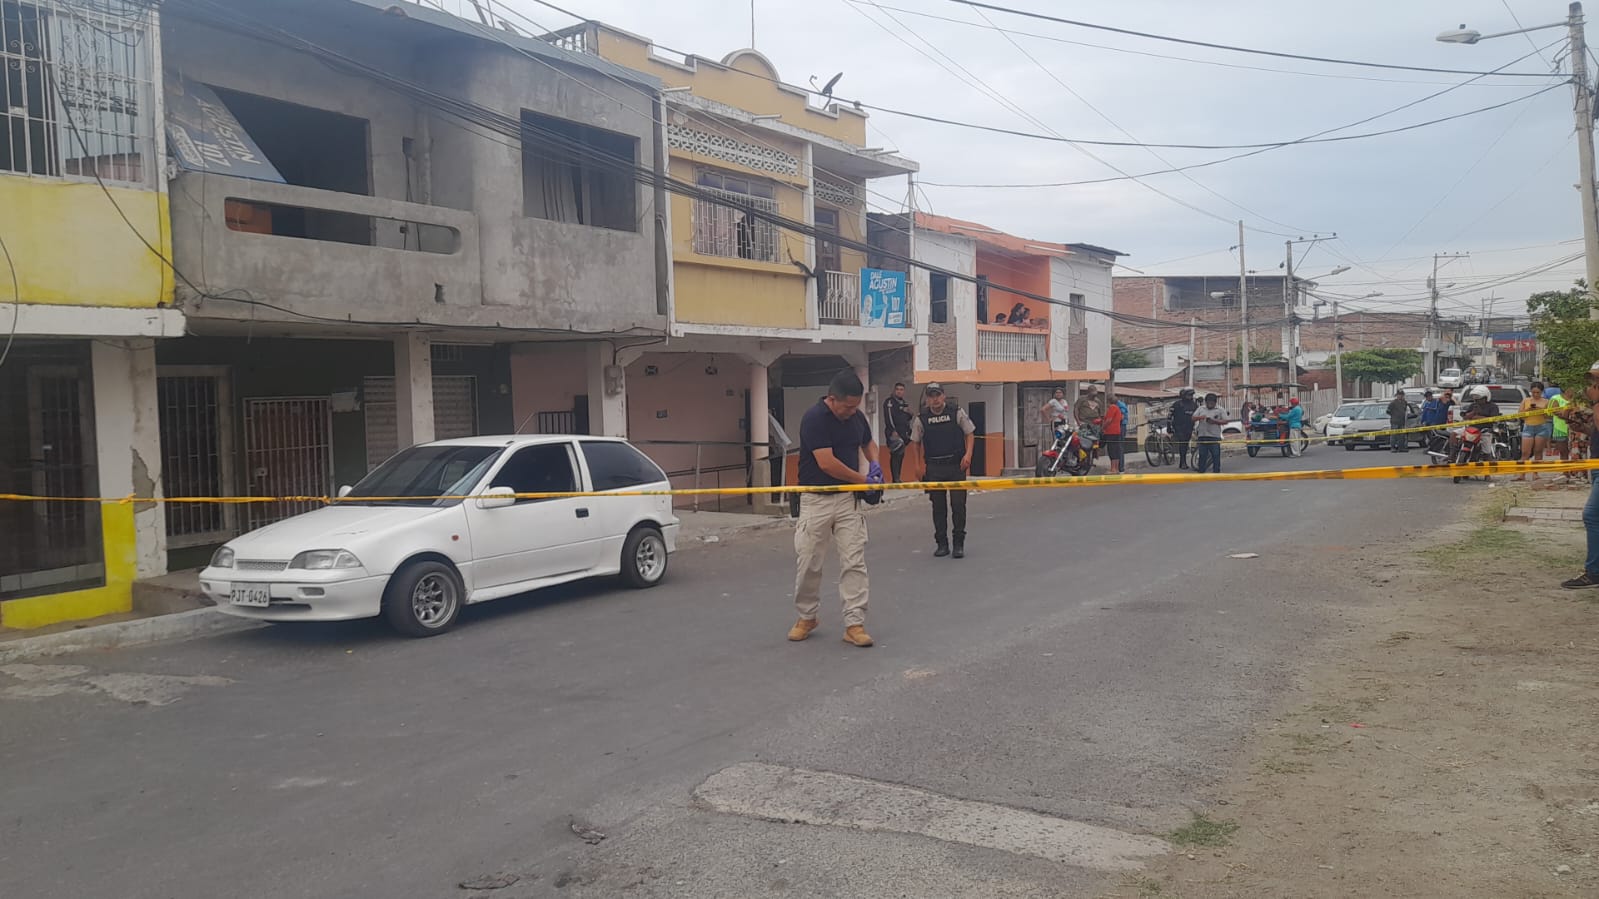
942, 437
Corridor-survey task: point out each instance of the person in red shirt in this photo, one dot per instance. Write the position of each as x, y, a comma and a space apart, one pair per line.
1113, 429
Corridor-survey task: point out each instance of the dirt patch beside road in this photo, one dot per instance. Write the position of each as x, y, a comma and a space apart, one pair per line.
1446, 745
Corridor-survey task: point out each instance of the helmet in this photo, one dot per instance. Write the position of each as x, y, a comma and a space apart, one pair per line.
1187, 392
1478, 393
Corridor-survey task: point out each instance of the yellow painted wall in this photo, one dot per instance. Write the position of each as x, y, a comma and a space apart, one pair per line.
747, 88
116, 527
720, 290
723, 295
71, 248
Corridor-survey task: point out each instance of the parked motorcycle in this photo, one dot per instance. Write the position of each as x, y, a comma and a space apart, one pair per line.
1069, 453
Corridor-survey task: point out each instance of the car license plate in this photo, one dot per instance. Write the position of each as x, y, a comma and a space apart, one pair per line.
259, 595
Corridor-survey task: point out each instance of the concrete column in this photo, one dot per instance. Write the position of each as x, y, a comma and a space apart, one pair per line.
607, 385
413, 389
760, 431
127, 428
870, 404
1013, 425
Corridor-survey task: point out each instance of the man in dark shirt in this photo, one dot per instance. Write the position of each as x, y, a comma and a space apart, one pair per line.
896, 428
834, 438
1398, 412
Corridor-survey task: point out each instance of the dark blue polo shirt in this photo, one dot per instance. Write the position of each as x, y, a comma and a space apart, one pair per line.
821, 429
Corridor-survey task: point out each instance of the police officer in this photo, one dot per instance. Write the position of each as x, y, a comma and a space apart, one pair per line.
896, 428
946, 436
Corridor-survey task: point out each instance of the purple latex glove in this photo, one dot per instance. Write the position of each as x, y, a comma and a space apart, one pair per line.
874, 474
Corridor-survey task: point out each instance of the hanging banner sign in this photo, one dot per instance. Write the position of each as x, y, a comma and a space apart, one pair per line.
883, 297
203, 136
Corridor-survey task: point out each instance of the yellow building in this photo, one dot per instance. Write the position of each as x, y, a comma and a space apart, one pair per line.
744, 287
84, 292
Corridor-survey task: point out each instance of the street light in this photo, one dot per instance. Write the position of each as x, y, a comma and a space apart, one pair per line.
1578, 54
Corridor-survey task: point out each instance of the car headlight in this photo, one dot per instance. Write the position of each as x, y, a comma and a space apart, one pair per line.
325, 559
222, 558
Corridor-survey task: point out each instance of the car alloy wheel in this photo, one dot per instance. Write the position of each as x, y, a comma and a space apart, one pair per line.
433, 600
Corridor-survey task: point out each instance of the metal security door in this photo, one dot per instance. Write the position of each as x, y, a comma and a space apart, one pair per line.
196, 452
62, 450
454, 413
288, 452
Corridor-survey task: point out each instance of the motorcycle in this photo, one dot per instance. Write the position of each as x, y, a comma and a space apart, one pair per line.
1479, 444
1068, 453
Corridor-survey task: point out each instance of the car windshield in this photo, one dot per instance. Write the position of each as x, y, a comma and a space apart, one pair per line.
1347, 410
1451, 372
423, 474
1371, 411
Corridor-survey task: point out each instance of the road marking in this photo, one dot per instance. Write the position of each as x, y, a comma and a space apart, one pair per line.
794, 795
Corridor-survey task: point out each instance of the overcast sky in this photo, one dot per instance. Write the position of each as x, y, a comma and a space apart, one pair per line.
1496, 185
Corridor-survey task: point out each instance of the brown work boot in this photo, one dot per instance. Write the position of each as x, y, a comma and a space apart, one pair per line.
802, 629
855, 635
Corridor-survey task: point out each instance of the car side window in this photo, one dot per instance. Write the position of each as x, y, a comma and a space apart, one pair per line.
618, 466
546, 468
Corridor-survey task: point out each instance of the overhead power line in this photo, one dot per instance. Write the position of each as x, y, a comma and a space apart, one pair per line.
1151, 55
1235, 49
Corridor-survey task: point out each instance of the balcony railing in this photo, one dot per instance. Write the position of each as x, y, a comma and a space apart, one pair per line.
841, 298
1001, 344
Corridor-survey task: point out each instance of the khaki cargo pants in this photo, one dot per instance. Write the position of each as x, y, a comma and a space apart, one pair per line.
834, 517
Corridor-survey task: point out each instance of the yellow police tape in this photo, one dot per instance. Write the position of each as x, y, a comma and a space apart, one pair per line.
1377, 473
1366, 435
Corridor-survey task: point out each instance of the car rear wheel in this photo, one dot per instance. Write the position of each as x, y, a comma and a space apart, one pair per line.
423, 599
644, 558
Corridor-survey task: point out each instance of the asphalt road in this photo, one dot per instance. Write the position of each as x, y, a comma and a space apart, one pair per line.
1089, 672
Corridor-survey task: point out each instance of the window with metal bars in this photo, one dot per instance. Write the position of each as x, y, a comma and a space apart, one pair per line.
74, 86
726, 230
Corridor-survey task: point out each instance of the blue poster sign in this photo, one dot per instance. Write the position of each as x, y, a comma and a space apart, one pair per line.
203, 136
883, 298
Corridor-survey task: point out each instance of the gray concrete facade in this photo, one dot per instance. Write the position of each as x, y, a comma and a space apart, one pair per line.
451, 245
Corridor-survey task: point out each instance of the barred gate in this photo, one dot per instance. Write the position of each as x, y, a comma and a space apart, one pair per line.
196, 452
288, 451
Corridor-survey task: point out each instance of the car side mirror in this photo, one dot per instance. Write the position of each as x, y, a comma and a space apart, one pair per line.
496, 498
345, 491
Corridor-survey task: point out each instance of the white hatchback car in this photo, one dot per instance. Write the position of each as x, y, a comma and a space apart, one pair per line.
418, 559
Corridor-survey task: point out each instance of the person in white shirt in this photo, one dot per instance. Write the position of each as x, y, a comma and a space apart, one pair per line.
1208, 421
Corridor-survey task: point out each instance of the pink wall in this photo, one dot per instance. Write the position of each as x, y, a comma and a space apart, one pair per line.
697, 406
545, 378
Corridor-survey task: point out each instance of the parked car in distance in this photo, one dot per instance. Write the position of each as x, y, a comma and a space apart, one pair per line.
1352, 420
406, 544
1451, 377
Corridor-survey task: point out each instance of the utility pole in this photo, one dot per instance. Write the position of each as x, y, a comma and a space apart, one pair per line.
1243, 306
1584, 110
1338, 353
1191, 347
1434, 336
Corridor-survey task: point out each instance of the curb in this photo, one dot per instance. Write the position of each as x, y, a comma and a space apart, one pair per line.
119, 634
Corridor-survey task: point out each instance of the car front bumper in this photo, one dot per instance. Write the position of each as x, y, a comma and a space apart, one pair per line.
299, 595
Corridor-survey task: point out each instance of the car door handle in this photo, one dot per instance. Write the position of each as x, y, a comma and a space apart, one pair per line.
582, 513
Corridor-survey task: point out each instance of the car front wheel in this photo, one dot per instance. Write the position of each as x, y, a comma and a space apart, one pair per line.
644, 558
423, 599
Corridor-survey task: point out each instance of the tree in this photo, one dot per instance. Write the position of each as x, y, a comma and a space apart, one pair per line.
1570, 341
1122, 356
1381, 366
